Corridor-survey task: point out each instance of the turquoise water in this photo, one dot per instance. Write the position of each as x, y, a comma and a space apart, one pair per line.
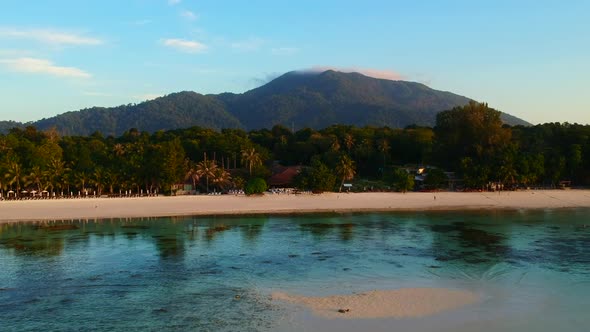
215, 274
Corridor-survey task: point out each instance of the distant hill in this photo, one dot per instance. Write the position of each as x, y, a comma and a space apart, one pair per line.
300, 99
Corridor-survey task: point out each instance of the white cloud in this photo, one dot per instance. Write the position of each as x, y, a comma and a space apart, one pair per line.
49, 36
14, 53
375, 73
187, 14
248, 45
174, 2
148, 96
284, 51
42, 66
183, 45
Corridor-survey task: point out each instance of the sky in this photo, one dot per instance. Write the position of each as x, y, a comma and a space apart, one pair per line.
527, 58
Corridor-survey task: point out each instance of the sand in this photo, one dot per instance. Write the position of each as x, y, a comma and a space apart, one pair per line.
92, 208
399, 303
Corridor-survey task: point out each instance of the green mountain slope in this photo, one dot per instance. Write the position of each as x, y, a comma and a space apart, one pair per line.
318, 100
177, 110
301, 99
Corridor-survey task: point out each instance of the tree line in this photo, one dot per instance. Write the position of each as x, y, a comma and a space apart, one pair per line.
470, 141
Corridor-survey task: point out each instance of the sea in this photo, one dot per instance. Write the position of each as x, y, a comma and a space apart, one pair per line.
530, 267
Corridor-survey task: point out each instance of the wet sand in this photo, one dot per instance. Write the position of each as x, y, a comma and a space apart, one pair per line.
399, 303
93, 208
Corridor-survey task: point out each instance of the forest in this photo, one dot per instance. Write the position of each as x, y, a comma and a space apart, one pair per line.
470, 142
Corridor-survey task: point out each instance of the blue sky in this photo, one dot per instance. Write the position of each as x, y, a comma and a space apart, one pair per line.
527, 58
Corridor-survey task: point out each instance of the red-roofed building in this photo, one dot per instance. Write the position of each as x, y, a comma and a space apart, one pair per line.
282, 176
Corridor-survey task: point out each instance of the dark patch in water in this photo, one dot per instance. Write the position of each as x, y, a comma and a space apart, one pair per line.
56, 228
66, 301
327, 226
445, 258
33, 300
476, 260
293, 256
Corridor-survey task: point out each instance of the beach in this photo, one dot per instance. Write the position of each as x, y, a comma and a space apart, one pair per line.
96, 208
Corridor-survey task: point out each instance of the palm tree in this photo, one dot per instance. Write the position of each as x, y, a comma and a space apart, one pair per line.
37, 176
206, 168
348, 141
119, 149
98, 179
335, 145
238, 182
14, 174
56, 168
507, 174
193, 174
110, 180
383, 147
345, 169
221, 178
81, 178
3, 184
251, 157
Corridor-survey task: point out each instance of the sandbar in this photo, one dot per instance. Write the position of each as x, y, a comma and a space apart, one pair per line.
96, 208
398, 303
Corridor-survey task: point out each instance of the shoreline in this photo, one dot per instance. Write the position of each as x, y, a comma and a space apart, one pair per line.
282, 204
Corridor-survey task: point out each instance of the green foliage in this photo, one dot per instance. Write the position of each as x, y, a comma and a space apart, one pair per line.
255, 186
403, 181
474, 175
541, 155
435, 179
473, 131
317, 178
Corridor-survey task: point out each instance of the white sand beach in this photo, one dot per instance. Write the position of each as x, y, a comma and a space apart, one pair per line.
398, 303
91, 208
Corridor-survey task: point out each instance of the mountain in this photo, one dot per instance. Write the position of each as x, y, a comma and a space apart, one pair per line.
177, 110
300, 99
319, 100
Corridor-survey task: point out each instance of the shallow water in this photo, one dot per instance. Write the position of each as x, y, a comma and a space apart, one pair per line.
212, 274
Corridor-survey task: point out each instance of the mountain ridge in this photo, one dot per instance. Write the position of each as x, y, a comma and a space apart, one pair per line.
305, 99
